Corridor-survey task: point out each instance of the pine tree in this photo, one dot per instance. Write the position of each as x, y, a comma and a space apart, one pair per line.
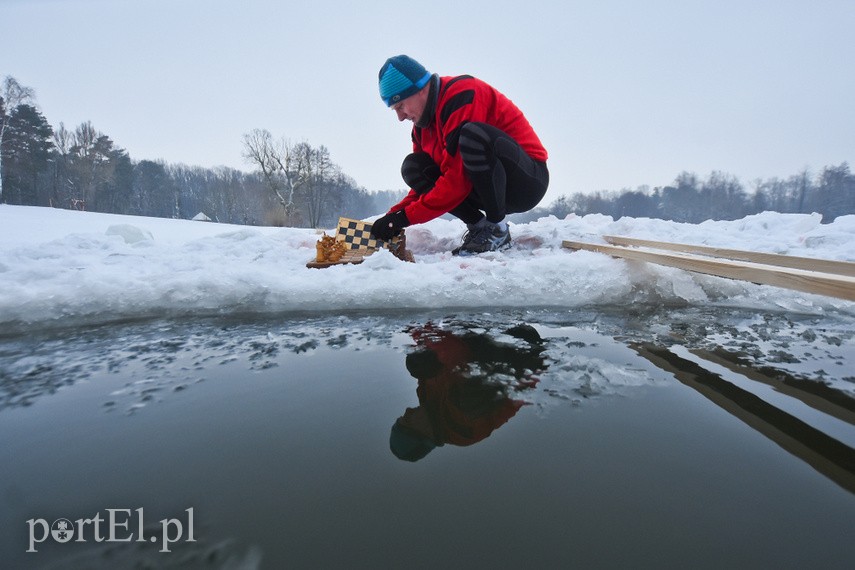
13, 94
27, 153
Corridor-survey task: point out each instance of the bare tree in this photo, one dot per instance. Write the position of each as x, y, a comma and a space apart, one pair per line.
91, 163
13, 95
319, 185
61, 193
280, 165
802, 181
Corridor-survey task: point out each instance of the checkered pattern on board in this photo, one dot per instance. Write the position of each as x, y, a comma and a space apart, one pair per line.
357, 235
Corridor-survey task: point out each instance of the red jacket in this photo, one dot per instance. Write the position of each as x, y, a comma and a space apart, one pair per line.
461, 100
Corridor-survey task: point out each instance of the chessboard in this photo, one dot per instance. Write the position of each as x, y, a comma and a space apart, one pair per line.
357, 235
359, 244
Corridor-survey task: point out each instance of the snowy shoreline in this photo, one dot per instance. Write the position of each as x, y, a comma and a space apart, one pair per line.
61, 267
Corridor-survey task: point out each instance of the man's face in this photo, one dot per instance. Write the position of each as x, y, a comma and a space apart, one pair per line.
412, 107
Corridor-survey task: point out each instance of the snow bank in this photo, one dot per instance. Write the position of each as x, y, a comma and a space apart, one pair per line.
60, 267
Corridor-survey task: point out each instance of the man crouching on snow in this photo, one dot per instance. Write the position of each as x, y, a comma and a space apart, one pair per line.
475, 155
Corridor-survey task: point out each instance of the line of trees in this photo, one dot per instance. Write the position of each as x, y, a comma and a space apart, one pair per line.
297, 184
84, 169
720, 197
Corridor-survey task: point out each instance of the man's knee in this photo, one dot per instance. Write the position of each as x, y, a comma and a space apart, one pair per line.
420, 172
475, 145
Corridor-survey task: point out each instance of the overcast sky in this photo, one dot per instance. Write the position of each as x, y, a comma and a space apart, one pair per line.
622, 93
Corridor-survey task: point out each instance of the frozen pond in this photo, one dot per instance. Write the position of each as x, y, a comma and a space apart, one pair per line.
651, 438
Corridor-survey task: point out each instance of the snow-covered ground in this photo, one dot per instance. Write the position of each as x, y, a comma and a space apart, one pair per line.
60, 267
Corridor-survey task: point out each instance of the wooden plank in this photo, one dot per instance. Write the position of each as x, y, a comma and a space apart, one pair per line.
840, 286
806, 263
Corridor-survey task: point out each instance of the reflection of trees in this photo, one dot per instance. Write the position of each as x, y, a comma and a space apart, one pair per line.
465, 386
22, 390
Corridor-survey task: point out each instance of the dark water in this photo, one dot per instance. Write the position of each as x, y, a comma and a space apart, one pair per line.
644, 439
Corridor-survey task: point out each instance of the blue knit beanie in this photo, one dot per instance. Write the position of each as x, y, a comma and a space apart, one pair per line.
400, 77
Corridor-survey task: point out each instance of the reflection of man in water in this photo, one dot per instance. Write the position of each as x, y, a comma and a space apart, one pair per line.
464, 386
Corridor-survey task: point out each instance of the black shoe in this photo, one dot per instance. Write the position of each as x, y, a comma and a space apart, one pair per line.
467, 237
488, 237
471, 230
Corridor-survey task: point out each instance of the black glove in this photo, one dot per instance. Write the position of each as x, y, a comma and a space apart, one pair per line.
389, 225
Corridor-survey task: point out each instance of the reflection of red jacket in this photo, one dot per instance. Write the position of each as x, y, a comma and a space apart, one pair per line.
463, 410
445, 398
461, 100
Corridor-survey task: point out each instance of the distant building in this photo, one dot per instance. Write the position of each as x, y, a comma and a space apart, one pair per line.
202, 217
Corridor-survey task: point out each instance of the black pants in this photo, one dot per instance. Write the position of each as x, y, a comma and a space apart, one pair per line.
505, 180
